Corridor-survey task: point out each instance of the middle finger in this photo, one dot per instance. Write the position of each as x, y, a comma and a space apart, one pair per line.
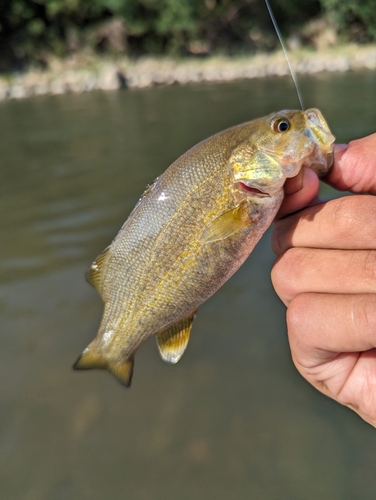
346, 223
301, 270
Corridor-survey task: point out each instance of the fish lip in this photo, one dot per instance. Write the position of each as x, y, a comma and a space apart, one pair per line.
249, 188
317, 129
321, 160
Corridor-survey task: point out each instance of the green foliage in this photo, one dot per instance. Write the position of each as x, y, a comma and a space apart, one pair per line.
357, 18
31, 28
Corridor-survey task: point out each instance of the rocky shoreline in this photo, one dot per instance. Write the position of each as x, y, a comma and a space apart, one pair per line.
83, 74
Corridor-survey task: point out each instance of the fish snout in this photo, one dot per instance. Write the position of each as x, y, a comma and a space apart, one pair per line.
318, 131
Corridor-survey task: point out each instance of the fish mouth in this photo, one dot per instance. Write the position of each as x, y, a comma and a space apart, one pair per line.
249, 188
321, 160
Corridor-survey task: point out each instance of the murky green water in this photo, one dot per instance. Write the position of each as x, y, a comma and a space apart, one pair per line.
233, 419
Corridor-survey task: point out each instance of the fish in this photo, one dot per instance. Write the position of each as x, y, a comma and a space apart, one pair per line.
192, 228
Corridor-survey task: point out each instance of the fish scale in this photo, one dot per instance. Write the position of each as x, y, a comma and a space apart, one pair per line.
192, 229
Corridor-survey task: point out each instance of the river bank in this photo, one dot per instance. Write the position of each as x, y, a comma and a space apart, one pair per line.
83, 73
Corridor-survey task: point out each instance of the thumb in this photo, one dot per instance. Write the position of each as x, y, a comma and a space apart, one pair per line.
354, 166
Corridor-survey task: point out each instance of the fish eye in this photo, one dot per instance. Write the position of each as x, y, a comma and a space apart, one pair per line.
281, 125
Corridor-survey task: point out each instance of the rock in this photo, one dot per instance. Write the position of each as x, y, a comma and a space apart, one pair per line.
108, 79
84, 75
17, 92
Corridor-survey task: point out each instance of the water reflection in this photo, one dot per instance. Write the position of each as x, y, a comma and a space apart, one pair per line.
232, 419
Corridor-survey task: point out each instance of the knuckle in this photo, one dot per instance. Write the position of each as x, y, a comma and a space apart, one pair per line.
286, 271
298, 321
296, 317
364, 313
369, 266
282, 235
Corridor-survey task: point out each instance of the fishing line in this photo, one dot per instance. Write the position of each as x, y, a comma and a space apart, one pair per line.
285, 53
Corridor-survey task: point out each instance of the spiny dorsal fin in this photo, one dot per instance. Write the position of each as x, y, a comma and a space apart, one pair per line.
92, 359
173, 341
226, 224
148, 188
95, 273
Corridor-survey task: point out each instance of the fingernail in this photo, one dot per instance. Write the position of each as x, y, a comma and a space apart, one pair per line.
340, 148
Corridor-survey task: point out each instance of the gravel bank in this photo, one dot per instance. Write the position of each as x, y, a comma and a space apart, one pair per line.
86, 74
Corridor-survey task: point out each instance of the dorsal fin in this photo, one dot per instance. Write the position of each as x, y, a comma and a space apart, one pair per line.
91, 358
173, 341
148, 188
95, 273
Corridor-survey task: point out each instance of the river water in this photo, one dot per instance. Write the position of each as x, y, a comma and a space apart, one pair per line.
233, 419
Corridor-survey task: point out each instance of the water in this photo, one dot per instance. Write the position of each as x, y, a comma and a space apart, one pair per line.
233, 419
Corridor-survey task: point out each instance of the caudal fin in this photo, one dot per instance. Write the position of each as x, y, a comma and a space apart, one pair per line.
92, 359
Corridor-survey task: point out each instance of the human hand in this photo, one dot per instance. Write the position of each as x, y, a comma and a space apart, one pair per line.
326, 276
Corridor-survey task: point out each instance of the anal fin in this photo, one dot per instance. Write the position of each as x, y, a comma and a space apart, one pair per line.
92, 359
173, 341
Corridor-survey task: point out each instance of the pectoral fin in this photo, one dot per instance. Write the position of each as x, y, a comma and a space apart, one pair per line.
91, 359
226, 224
95, 273
173, 341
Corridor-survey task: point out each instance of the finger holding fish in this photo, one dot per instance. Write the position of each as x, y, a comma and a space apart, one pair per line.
299, 192
325, 274
352, 167
344, 223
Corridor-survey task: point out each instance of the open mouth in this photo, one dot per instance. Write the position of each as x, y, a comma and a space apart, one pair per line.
251, 189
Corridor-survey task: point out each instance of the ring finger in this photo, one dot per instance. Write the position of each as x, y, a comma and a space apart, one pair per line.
301, 270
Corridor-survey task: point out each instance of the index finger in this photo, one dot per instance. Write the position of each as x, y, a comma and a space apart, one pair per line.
345, 223
299, 192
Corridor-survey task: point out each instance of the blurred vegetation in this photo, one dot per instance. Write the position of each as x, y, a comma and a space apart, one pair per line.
33, 30
355, 18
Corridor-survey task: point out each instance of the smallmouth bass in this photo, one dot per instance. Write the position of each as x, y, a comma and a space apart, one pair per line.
193, 227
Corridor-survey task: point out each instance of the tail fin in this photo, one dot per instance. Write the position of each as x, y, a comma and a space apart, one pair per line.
91, 359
